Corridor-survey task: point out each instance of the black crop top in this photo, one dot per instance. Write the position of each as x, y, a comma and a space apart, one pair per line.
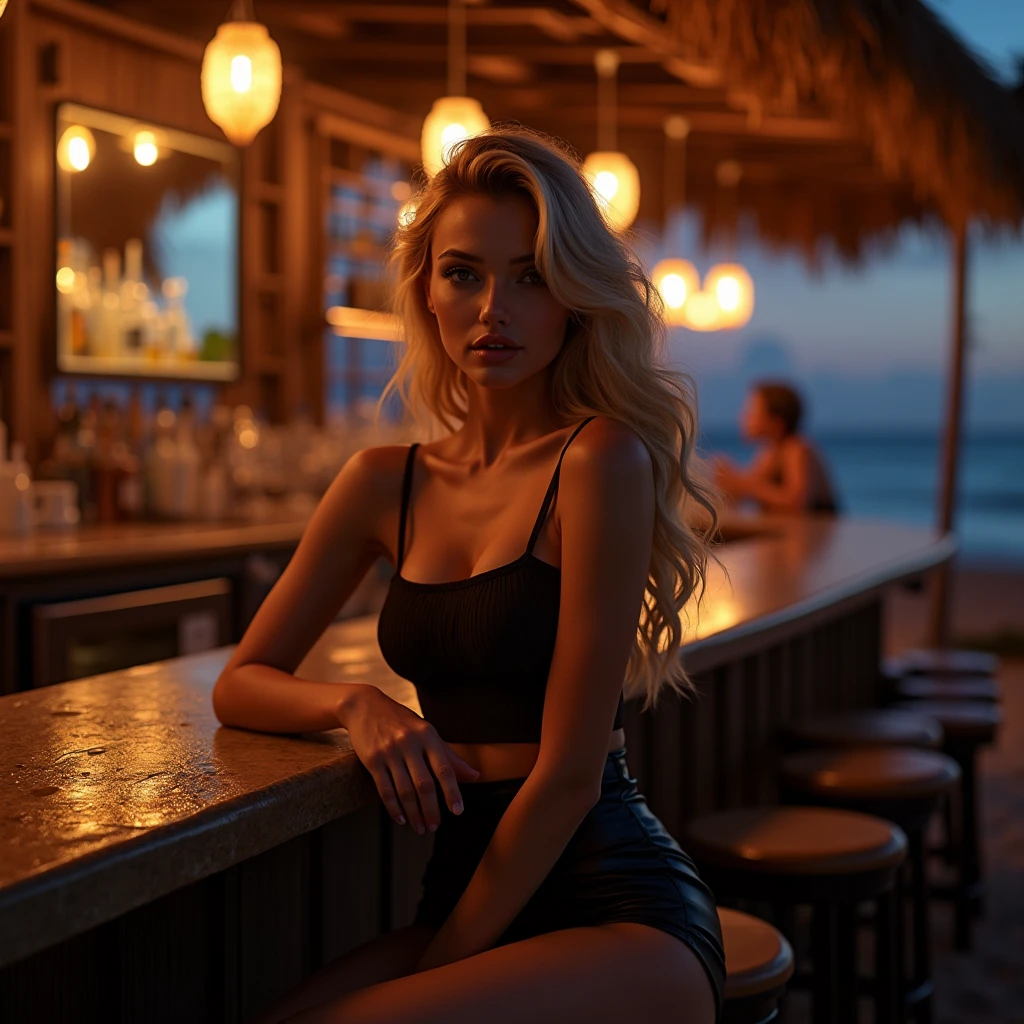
478, 650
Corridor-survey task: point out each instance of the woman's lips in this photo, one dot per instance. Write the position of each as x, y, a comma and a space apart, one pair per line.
493, 349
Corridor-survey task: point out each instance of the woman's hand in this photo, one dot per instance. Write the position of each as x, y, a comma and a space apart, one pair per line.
404, 754
728, 477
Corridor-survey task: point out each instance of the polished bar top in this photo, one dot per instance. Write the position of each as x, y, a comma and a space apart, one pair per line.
104, 547
121, 788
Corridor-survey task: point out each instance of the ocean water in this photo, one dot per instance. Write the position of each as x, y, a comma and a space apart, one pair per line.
896, 476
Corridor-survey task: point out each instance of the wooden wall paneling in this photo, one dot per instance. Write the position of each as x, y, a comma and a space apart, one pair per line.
730, 731
351, 864
170, 957
757, 767
669, 761
275, 890
701, 718
71, 983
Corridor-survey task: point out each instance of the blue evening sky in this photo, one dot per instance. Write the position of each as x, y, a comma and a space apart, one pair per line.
893, 313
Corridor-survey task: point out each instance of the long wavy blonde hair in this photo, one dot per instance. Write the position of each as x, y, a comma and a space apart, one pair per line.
610, 364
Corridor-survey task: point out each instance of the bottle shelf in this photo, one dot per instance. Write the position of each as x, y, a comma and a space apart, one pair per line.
166, 369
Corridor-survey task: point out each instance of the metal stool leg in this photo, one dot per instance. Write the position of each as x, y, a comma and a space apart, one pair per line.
825, 983
846, 962
887, 967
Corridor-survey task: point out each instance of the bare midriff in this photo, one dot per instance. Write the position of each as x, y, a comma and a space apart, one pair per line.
497, 761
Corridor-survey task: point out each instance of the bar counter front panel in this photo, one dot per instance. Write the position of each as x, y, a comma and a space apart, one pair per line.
155, 866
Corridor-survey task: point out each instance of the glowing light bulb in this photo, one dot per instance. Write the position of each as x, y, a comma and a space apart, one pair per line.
65, 280
616, 184
451, 119
676, 280
674, 291
145, 148
241, 73
733, 290
607, 184
728, 293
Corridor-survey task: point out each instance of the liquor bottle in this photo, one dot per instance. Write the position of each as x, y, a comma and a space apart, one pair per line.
133, 295
108, 343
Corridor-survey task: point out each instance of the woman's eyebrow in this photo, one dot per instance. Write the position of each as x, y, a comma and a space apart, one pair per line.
470, 258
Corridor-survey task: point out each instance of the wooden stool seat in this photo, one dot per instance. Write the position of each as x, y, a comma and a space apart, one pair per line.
873, 774
880, 727
952, 688
795, 841
758, 963
826, 858
928, 661
973, 721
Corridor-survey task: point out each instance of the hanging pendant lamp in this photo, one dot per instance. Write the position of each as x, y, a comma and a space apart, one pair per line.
729, 283
241, 76
612, 175
677, 280
456, 116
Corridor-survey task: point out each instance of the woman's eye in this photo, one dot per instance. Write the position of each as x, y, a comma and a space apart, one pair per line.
533, 277
458, 274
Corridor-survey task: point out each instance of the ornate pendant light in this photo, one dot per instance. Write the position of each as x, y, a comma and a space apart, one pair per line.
730, 283
241, 76
613, 176
677, 280
456, 116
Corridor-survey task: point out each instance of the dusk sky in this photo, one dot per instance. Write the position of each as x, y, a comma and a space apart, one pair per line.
893, 313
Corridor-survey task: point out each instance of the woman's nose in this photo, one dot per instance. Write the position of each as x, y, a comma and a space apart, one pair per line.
494, 309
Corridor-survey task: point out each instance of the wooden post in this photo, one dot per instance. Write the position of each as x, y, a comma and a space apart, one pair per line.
951, 440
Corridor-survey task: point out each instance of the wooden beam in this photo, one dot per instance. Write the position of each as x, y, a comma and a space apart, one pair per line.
951, 442
631, 24
124, 28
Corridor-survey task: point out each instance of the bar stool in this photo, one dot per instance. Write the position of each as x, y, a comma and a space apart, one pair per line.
758, 963
968, 726
876, 727
936, 661
898, 783
948, 688
827, 858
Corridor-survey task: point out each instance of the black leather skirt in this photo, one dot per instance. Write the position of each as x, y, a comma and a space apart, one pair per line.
620, 865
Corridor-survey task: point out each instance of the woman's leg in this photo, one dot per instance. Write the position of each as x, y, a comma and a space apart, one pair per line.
615, 972
383, 958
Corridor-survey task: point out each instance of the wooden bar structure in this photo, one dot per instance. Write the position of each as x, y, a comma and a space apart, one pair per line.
163, 868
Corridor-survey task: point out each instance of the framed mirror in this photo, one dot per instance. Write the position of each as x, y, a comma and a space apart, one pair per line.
147, 249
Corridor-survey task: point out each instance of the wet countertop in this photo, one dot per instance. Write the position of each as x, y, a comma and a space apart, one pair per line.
118, 789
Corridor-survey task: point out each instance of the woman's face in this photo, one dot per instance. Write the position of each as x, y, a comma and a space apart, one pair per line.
499, 323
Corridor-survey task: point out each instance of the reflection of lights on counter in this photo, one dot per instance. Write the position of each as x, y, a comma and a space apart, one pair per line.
76, 148
145, 148
65, 280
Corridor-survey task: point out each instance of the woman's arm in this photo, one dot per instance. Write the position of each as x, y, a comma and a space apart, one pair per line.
606, 512
257, 689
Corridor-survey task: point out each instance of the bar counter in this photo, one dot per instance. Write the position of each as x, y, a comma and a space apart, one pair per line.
164, 867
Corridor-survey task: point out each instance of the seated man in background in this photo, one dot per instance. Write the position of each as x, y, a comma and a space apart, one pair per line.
787, 474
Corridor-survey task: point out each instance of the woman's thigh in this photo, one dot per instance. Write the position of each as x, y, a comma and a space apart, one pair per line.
382, 959
612, 972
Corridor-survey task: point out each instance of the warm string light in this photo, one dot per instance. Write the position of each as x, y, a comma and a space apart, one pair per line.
76, 148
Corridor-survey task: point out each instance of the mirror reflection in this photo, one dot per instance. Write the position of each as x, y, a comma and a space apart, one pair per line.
147, 249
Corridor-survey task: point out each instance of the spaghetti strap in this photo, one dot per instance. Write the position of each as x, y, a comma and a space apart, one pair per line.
406, 492
552, 487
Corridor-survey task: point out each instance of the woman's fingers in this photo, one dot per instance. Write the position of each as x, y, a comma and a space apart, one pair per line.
448, 766
386, 788
423, 781
407, 794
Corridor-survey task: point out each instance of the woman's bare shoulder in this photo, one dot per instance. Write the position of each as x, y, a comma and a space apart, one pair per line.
608, 447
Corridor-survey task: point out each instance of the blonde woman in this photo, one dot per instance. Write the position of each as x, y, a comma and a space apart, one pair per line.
542, 561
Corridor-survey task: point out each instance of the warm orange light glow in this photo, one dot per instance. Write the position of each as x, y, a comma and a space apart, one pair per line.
145, 148
451, 119
616, 184
676, 280
76, 148
733, 290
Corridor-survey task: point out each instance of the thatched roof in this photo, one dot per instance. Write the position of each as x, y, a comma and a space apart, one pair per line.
847, 117
891, 73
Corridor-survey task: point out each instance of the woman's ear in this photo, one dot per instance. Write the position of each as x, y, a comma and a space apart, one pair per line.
425, 281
